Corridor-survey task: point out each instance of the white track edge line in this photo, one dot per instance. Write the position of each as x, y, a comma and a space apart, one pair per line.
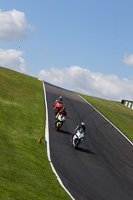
108, 121
48, 145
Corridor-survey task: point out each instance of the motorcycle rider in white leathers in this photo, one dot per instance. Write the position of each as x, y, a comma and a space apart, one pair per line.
82, 125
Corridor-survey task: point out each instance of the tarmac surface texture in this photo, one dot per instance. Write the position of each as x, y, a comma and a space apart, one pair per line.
102, 166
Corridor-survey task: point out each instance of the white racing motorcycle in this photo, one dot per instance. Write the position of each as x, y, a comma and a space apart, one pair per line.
60, 120
78, 138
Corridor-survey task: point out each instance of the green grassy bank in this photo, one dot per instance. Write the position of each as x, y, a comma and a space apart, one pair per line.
25, 172
120, 115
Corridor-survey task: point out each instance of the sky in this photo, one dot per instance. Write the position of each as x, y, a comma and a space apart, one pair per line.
81, 45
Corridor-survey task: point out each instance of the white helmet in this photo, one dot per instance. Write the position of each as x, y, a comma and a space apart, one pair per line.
83, 124
60, 98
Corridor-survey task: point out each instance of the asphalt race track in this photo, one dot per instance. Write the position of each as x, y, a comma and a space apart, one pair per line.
102, 167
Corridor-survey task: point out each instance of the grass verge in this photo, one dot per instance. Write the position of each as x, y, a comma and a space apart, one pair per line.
120, 115
25, 172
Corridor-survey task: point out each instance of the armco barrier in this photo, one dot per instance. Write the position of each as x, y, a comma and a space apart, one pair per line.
127, 103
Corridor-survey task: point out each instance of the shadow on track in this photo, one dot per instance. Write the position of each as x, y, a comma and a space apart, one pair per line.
65, 132
86, 150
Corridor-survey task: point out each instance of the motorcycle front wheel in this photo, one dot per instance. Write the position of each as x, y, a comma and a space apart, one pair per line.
77, 141
56, 128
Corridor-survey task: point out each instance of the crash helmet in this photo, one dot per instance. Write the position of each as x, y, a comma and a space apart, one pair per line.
60, 98
83, 124
64, 109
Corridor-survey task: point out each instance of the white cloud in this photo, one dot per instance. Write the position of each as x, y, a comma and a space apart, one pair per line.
128, 59
12, 59
55, 75
91, 83
13, 25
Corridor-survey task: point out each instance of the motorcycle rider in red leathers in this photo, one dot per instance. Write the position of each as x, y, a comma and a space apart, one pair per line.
58, 105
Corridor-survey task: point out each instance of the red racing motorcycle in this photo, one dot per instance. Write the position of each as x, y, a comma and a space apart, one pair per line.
57, 107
